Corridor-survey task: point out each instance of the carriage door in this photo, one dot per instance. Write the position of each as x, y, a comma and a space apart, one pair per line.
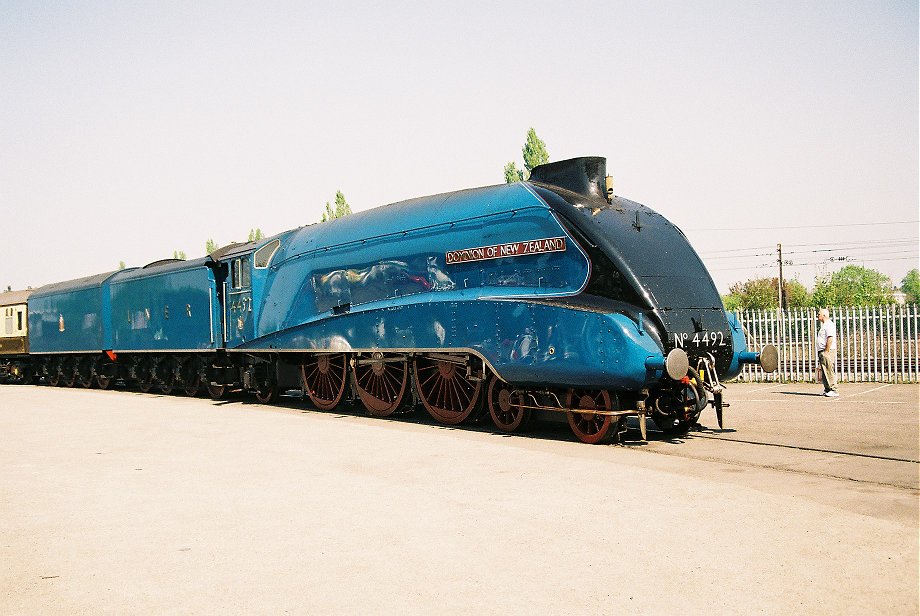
238, 303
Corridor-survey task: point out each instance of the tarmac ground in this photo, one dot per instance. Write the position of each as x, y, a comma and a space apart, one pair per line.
115, 502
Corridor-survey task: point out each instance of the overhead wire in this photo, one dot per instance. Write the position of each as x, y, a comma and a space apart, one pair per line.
859, 250
857, 259
897, 255
747, 267
823, 226
847, 243
885, 241
759, 254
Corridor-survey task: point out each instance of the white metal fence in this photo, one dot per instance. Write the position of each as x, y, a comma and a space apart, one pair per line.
877, 343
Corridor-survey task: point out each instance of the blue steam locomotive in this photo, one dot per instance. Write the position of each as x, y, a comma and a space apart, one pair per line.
550, 296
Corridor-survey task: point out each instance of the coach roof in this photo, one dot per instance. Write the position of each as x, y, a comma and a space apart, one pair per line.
9, 298
77, 284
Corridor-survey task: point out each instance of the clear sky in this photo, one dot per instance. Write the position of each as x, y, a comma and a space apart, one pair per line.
130, 130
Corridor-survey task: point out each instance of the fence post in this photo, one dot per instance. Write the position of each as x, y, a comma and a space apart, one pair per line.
889, 339
842, 354
862, 346
851, 344
912, 341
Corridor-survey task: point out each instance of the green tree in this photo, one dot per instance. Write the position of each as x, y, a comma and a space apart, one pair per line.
731, 302
341, 208
797, 295
853, 285
210, 246
121, 265
534, 152
760, 293
255, 235
512, 173
179, 254
910, 285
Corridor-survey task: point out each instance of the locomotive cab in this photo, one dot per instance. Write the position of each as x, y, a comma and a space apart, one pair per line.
241, 272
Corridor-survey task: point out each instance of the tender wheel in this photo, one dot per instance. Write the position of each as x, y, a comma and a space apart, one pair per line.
84, 372
166, 375
589, 427
190, 376
105, 374
324, 379
381, 384
448, 395
505, 407
54, 373
144, 375
69, 374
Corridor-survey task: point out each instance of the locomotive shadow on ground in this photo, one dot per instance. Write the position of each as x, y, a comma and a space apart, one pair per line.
659, 436
229, 398
539, 429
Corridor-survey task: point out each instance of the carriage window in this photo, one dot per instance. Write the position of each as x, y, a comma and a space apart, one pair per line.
264, 255
19, 319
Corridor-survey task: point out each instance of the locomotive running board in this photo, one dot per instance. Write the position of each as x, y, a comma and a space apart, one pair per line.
536, 406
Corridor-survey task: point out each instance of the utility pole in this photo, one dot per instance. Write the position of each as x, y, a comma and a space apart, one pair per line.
779, 251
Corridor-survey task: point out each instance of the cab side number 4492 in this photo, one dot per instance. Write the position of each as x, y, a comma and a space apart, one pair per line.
711, 339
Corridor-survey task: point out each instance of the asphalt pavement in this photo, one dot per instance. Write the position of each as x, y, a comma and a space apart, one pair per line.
126, 503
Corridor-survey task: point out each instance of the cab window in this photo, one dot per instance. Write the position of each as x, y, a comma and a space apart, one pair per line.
241, 274
246, 271
263, 256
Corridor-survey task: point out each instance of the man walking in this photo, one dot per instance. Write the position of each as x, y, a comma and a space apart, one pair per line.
827, 353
